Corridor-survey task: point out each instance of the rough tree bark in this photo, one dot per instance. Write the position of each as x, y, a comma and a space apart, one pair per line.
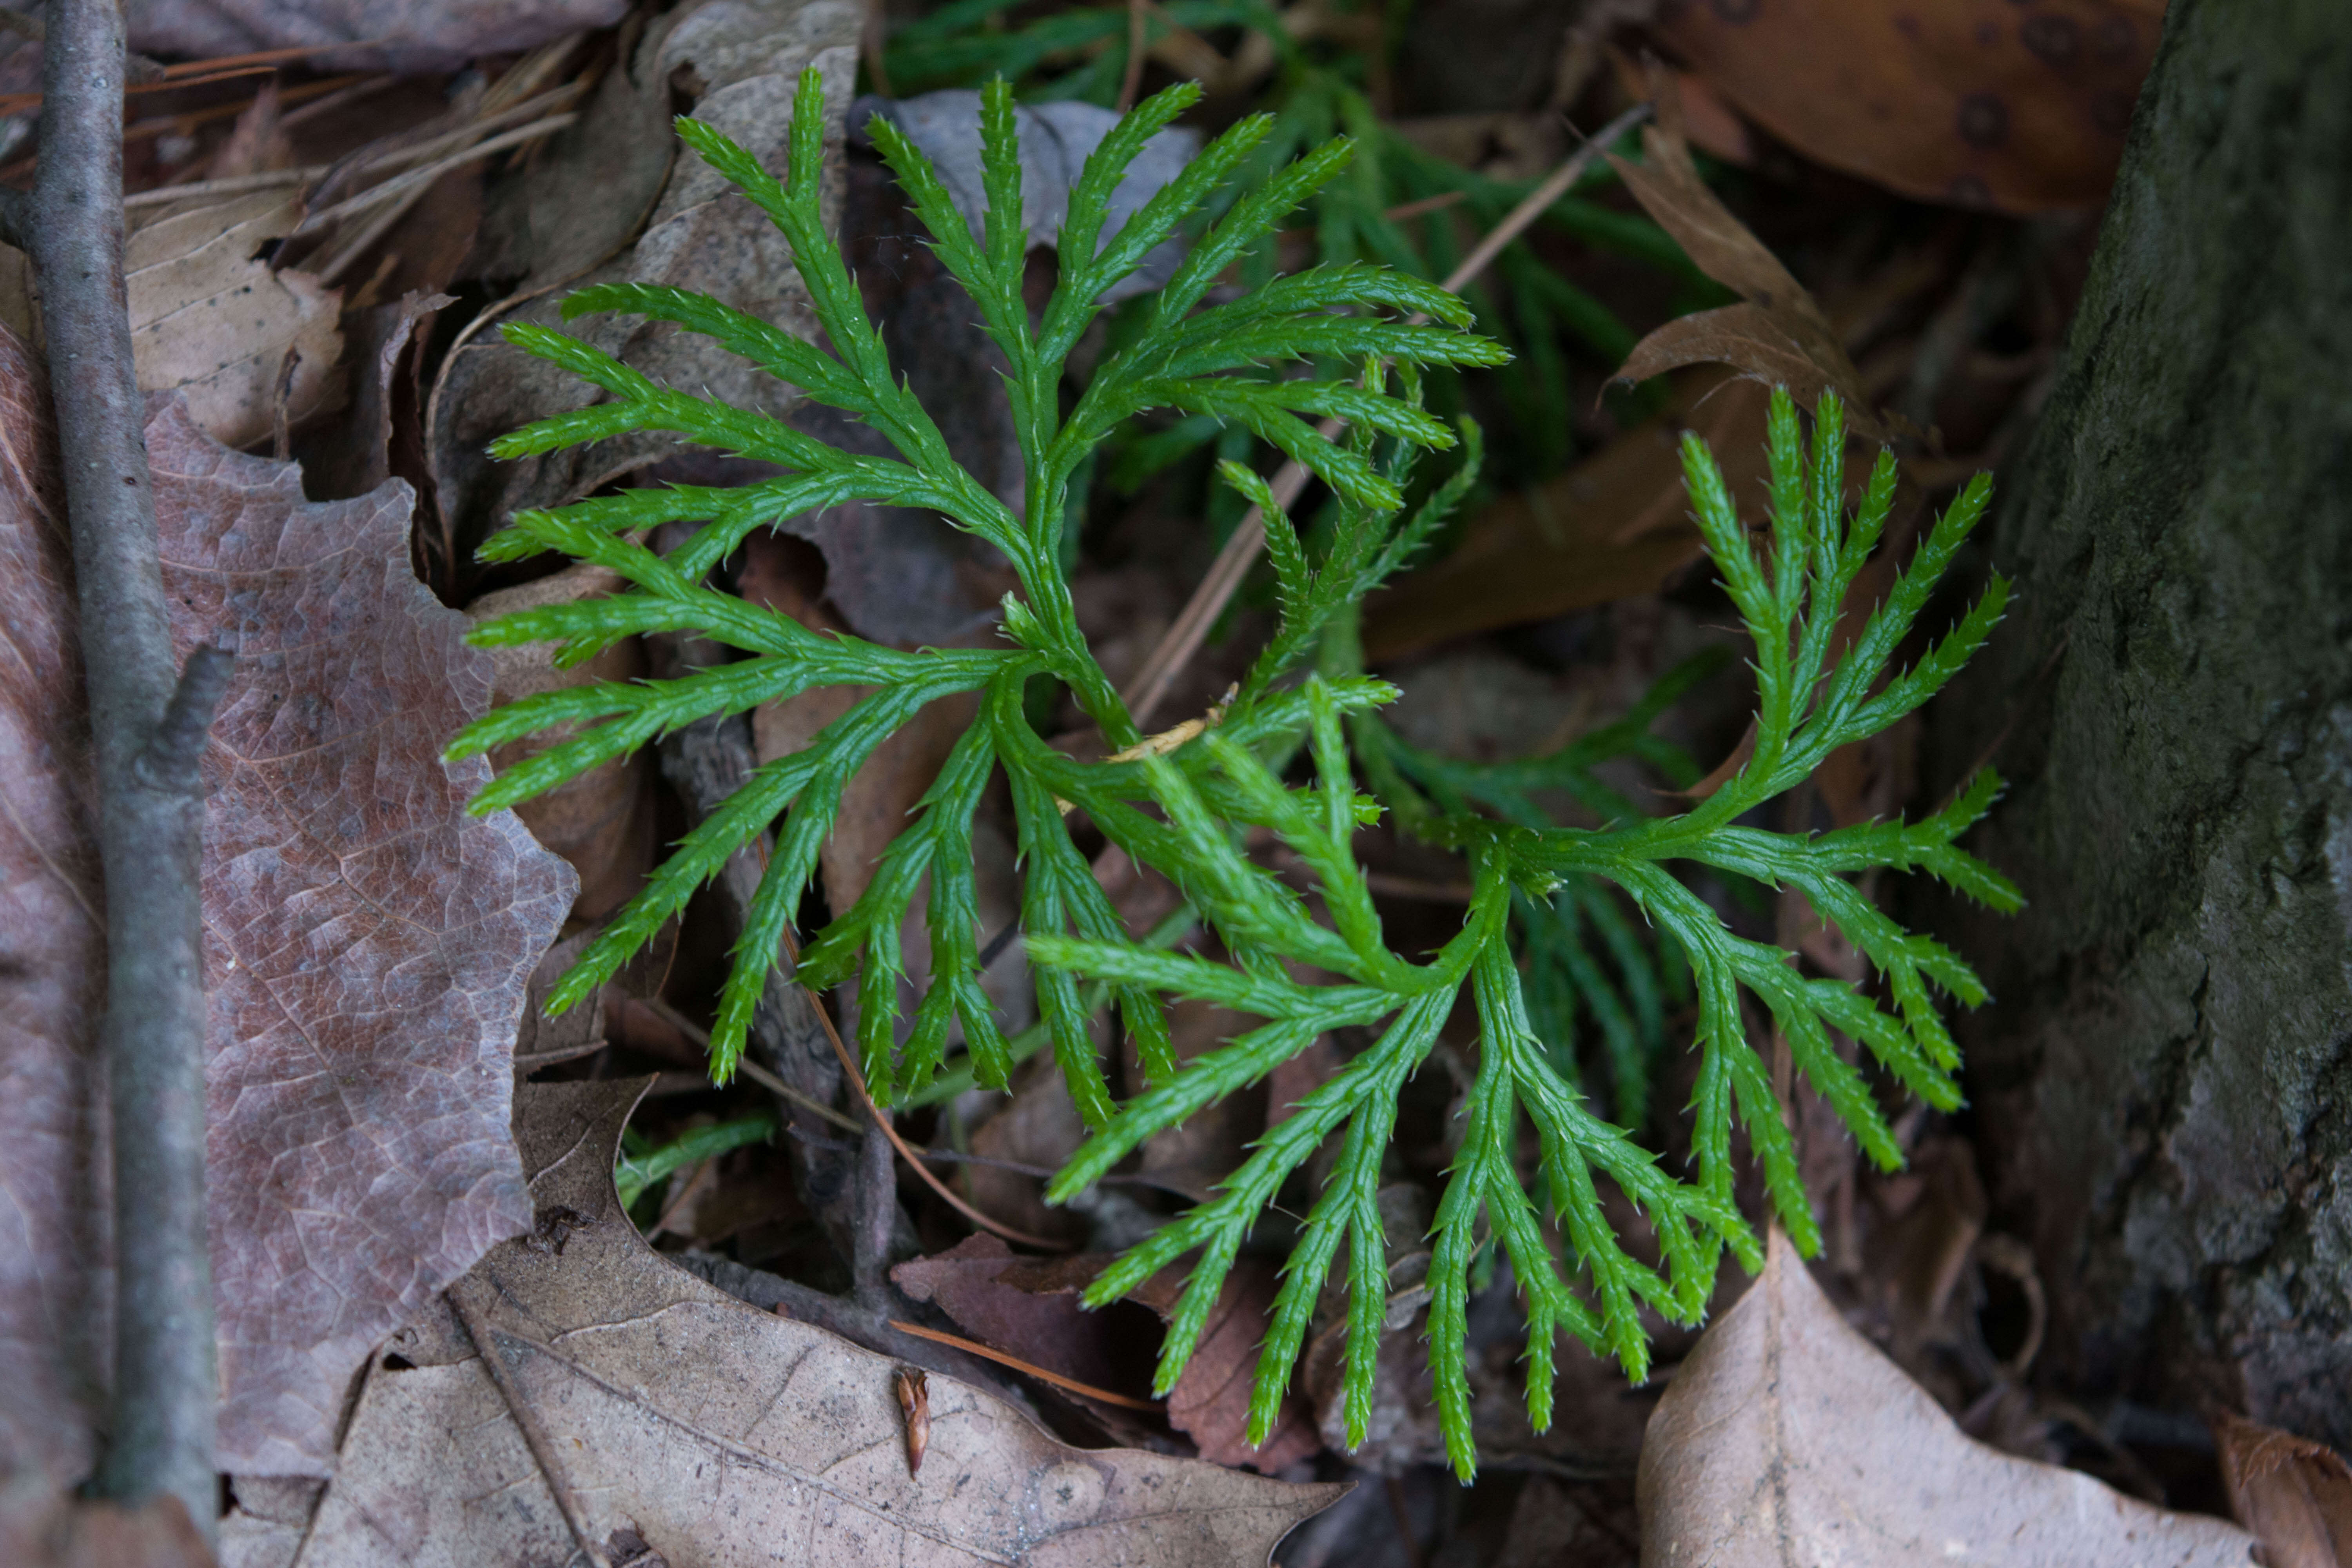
2164, 1087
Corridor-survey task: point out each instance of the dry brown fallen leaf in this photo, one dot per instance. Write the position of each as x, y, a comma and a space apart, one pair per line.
1210, 1402
210, 317
367, 945
739, 62
2021, 105
44, 1529
1786, 1439
2295, 1495
1615, 524
412, 37
55, 1338
1046, 1327
601, 821
1779, 335
685, 1422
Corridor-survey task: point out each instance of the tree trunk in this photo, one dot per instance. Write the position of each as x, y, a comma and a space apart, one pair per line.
2163, 1088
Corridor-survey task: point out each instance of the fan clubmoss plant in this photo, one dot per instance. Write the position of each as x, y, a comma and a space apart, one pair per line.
1187, 809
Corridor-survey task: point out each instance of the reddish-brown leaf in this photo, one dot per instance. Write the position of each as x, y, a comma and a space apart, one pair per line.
368, 943
2295, 1495
1044, 1326
2016, 104
55, 1334
1781, 336
1211, 1401
366, 948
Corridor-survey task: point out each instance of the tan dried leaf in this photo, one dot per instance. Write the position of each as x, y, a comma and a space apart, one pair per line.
2295, 1495
210, 317
1786, 1439
708, 1431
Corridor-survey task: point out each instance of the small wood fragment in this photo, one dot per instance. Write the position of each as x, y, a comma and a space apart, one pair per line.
915, 1404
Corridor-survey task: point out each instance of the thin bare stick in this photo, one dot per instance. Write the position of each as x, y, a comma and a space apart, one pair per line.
462, 1297
973, 1347
394, 188
149, 728
1183, 638
1132, 82
231, 185
873, 40
882, 1120
700, 1038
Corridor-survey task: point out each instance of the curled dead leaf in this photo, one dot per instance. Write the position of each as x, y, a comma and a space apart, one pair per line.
1781, 336
1615, 524
2295, 1495
1786, 1439
914, 1392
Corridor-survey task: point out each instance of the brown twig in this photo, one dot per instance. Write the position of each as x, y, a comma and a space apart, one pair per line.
873, 38
973, 1347
1132, 82
149, 728
882, 1120
1184, 639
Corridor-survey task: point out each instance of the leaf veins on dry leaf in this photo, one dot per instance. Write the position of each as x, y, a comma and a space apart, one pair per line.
211, 319
367, 944
685, 1422
1786, 1439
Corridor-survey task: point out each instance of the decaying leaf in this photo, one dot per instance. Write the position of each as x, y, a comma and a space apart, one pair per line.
741, 62
602, 820
44, 1529
914, 1392
2295, 1495
367, 942
376, 436
55, 1338
210, 317
1045, 1327
1980, 104
1615, 524
1786, 1439
367, 945
1210, 1402
711, 1432
1781, 336
414, 36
